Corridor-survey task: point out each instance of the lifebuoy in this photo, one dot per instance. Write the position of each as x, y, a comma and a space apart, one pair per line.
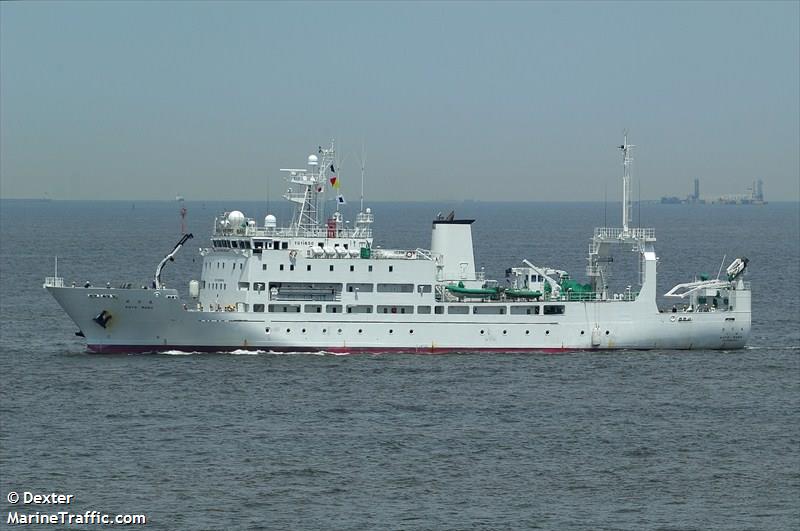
409, 254
293, 254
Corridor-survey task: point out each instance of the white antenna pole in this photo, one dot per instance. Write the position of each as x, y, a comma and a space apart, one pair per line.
721, 265
627, 159
363, 162
56, 273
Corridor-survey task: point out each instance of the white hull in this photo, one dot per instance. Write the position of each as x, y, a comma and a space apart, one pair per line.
314, 287
159, 322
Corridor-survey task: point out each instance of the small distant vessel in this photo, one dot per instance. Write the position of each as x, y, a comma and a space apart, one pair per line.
317, 285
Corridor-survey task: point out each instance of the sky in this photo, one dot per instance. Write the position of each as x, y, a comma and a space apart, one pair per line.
522, 101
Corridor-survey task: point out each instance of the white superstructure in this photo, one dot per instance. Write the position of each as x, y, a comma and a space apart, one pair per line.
320, 285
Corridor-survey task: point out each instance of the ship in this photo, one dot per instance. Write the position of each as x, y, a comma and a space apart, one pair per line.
319, 284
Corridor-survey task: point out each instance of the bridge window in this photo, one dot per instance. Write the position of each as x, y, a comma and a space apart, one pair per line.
553, 309
524, 310
439, 310
489, 310
395, 288
363, 288
424, 288
458, 310
284, 308
359, 308
258, 308
395, 309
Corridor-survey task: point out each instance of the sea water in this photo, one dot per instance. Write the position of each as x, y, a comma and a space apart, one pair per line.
666, 440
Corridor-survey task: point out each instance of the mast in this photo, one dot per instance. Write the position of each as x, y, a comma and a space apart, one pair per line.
312, 185
627, 160
363, 162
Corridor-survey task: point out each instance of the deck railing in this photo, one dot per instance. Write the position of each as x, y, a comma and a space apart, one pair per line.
616, 233
54, 282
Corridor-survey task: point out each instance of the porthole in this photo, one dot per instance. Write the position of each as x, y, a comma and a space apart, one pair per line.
324, 330
391, 331
482, 332
266, 330
527, 332
303, 330
288, 330
582, 332
340, 330
411, 331
360, 331
505, 332
547, 332
607, 332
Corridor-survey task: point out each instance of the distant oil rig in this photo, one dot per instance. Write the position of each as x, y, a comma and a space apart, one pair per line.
693, 198
754, 196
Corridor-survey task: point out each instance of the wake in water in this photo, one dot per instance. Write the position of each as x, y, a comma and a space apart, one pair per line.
245, 352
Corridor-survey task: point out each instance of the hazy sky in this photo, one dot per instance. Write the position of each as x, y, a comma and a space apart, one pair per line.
500, 101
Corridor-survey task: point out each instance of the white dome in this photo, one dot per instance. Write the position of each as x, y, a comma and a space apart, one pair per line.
312, 160
270, 221
236, 219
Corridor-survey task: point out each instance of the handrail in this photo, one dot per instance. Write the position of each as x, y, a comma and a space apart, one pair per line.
637, 233
53, 282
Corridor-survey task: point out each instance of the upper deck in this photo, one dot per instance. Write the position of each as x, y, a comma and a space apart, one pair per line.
362, 230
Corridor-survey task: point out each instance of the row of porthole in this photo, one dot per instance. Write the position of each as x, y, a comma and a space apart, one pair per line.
325, 331
411, 331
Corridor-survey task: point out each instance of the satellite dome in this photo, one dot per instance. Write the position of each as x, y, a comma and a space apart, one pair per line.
236, 219
270, 221
312, 160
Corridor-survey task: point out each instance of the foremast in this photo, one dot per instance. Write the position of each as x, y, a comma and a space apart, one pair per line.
311, 181
310, 198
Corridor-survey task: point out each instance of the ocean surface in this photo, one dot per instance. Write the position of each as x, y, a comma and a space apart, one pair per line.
662, 440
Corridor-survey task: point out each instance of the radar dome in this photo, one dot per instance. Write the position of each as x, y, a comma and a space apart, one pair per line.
236, 219
270, 221
312, 160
